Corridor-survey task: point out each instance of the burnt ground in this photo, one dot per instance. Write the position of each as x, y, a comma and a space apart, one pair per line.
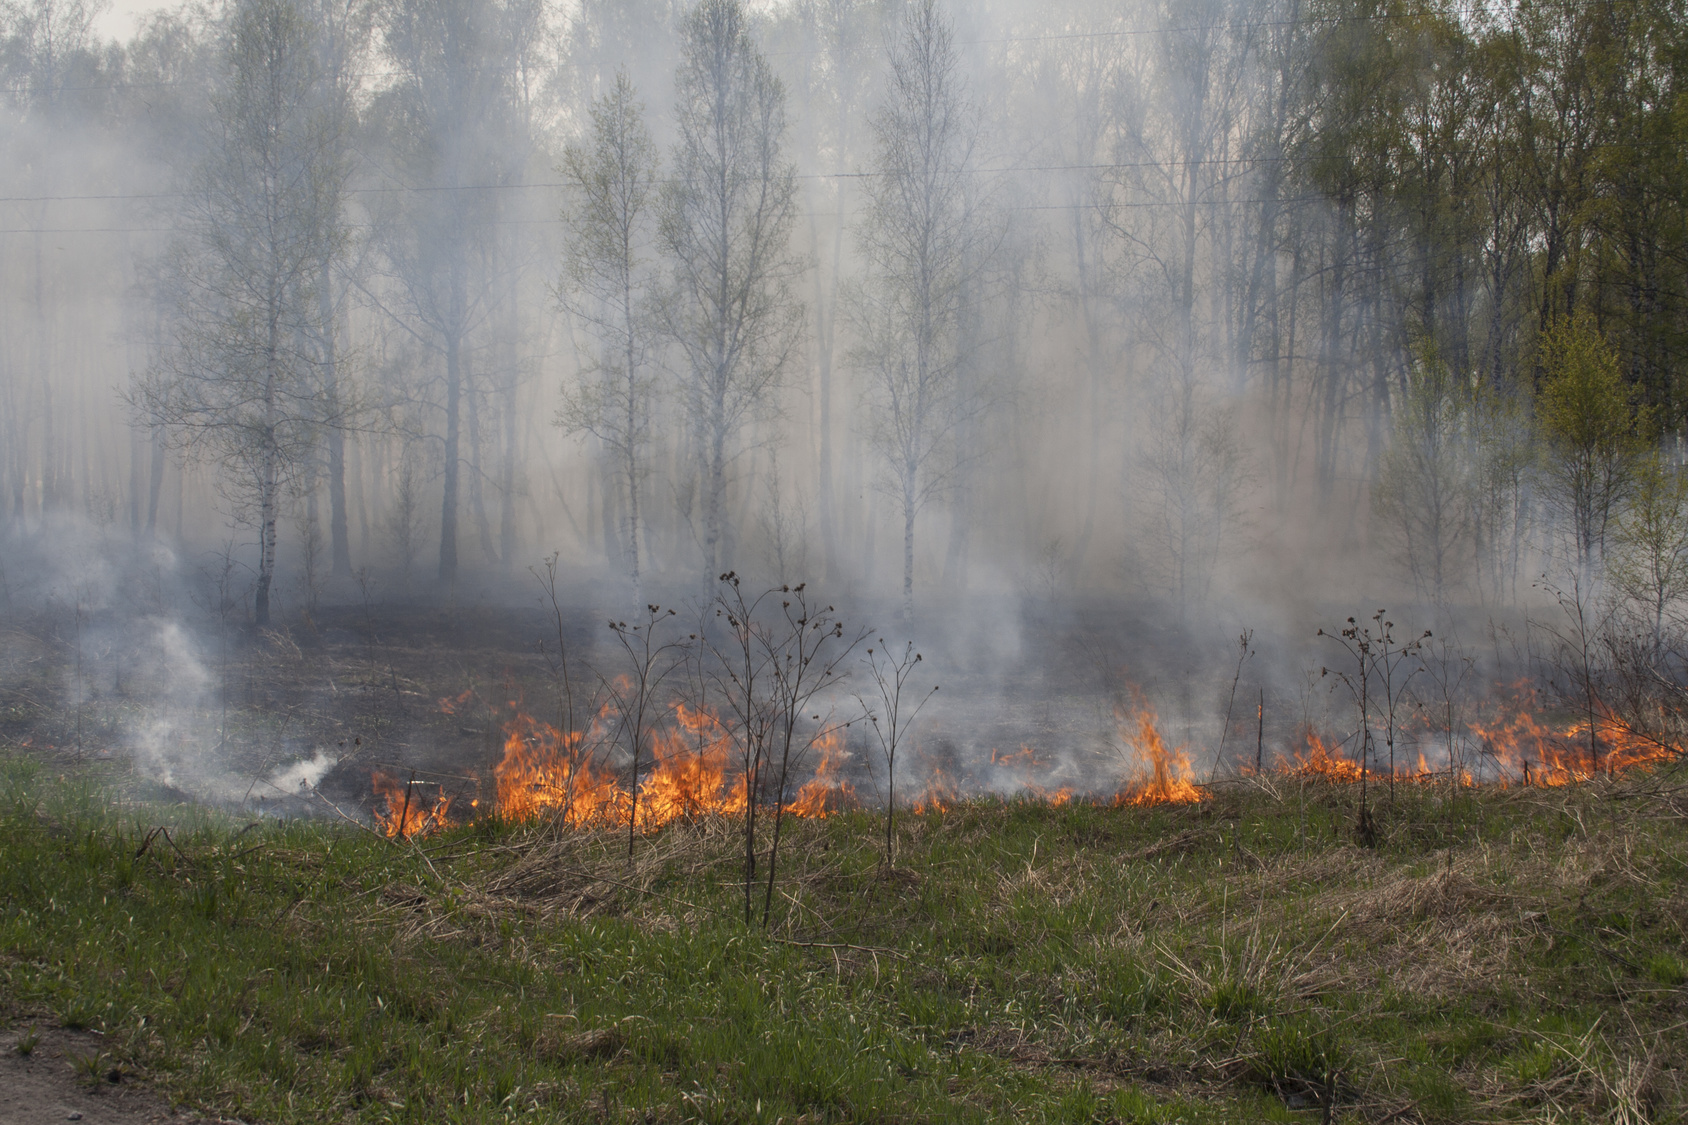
69, 1076
220, 711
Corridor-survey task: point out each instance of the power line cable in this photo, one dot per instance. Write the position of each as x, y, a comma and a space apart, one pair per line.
533, 185
1478, 7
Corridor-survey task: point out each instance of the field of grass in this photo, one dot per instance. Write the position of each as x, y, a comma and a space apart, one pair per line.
1503, 955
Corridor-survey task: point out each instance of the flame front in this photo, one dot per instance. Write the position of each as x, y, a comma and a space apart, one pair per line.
1531, 752
404, 811
1025, 768
689, 776
690, 767
687, 772
1520, 748
545, 772
1321, 762
940, 793
1163, 777
828, 792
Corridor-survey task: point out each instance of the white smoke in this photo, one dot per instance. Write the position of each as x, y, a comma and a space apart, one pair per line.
302, 775
169, 742
178, 742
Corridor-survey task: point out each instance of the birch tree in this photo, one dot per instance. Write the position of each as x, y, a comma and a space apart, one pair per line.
608, 283
239, 386
924, 239
342, 34
726, 224
445, 118
1650, 569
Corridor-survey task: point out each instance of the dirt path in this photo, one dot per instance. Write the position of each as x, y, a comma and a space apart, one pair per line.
66, 1077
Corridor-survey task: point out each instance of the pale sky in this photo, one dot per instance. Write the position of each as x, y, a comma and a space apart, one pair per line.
120, 20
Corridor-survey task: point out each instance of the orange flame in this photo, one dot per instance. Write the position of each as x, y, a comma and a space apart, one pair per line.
544, 772
687, 775
406, 812
1023, 759
1523, 747
450, 704
1163, 775
1531, 752
828, 792
938, 796
1321, 762
1026, 768
689, 772
688, 778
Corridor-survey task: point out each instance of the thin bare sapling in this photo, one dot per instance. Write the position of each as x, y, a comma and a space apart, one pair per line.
568, 696
1396, 666
1585, 625
1358, 642
1244, 651
633, 696
555, 652
1448, 667
892, 718
806, 659
740, 668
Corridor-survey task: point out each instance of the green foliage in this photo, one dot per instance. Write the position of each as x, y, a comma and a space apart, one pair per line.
1594, 435
1453, 482
1439, 1098
1533, 1064
1649, 565
1425, 485
1236, 1000
1667, 969
1298, 1055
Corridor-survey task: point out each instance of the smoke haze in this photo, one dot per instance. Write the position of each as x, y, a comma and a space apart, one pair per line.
1108, 352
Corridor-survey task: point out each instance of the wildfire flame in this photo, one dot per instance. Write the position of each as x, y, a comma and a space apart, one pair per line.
1531, 752
686, 774
1321, 762
545, 772
1523, 747
689, 776
450, 704
405, 812
1025, 767
938, 796
690, 768
1163, 775
828, 792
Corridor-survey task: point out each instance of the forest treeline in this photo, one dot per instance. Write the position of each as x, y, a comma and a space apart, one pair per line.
1160, 296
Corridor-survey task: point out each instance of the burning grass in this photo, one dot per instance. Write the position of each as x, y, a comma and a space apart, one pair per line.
1501, 953
563, 777
560, 777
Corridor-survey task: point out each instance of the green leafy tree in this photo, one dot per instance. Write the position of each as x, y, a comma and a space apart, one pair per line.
1424, 481
1594, 436
1649, 564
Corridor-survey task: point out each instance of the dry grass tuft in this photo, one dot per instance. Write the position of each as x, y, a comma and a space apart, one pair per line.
1584, 1077
559, 1045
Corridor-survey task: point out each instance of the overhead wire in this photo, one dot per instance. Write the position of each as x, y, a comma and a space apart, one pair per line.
1465, 11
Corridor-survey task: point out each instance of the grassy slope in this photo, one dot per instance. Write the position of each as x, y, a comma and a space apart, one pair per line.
1502, 956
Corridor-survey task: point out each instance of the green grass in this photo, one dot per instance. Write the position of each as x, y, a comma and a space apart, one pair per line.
1505, 956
